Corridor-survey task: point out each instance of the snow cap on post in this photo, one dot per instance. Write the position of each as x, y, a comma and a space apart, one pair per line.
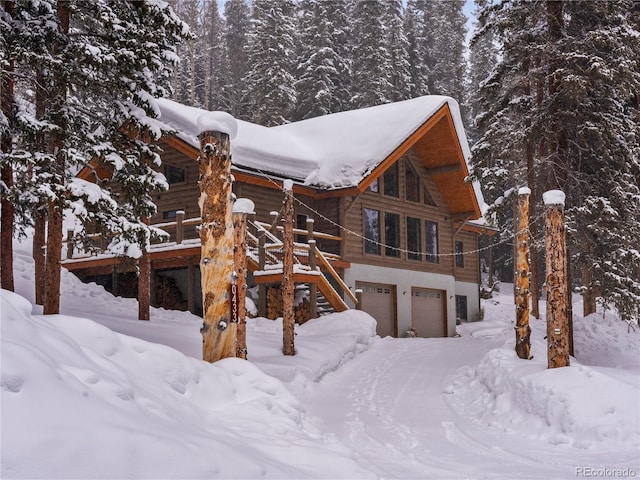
287, 185
243, 205
524, 191
553, 197
218, 122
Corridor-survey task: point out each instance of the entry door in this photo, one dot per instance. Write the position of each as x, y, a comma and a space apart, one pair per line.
428, 312
379, 301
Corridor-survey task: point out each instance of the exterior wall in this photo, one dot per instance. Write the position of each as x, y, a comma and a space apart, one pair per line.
470, 272
404, 280
472, 292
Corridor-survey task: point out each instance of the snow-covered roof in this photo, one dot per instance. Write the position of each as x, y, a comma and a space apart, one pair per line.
328, 152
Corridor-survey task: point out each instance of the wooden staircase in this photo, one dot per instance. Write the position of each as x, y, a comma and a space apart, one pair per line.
311, 266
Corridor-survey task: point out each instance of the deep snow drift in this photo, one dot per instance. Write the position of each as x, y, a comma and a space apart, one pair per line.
82, 401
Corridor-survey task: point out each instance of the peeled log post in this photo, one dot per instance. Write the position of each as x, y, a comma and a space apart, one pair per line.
241, 209
556, 281
522, 293
288, 314
216, 234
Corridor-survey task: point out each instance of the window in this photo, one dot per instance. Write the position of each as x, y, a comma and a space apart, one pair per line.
169, 215
459, 254
375, 187
174, 174
392, 235
431, 237
414, 239
412, 183
390, 181
371, 227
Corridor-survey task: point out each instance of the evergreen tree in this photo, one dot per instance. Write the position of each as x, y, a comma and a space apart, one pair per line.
320, 84
187, 77
446, 48
98, 67
214, 56
371, 82
563, 98
483, 57
416, 28
235, 90
600, 76
271, 47
398, 45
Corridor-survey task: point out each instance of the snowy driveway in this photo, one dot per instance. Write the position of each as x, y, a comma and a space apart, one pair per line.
391, 407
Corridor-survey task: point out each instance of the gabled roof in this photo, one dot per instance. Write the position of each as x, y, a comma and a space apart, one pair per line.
344, 152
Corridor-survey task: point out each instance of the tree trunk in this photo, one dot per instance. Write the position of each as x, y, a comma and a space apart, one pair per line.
56, 207
6, 230
6, 173
588, 296
216, 236
144, 282
39, 242
240, 262
556, 285
288, 314
522, 294
533, 231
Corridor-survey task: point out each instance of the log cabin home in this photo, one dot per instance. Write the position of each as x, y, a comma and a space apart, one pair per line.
387, 186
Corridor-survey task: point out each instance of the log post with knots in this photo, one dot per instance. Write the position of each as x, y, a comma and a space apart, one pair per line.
521, 290
242, 208
556, 284
216, 234
288, 314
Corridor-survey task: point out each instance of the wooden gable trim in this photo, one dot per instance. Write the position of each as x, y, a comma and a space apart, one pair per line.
404, 147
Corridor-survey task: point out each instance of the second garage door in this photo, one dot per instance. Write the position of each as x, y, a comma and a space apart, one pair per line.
428, 312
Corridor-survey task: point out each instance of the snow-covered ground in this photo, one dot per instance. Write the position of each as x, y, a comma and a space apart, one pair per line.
95, 393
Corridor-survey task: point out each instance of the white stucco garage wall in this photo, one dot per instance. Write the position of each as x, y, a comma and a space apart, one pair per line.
404, 280
472, 292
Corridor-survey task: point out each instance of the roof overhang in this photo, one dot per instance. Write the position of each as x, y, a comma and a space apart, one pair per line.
437, 144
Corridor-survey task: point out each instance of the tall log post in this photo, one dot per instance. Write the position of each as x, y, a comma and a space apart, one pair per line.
144, 282
216, 235
242, 208
522, 292
556, 281
288, 314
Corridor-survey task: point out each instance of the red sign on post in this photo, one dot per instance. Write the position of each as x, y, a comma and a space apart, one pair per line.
233, 303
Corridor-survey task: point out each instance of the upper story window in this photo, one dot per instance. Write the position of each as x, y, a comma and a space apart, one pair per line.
371, 228
431, 237
175, 174
392, 235
459, 255
414, 239
375, 186
412, 183
390, 181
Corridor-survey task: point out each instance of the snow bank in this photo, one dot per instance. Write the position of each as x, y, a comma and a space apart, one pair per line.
322, 345
587, 405
80, 401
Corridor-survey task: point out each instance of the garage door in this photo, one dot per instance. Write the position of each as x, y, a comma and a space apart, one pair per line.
428, 312
378, 300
